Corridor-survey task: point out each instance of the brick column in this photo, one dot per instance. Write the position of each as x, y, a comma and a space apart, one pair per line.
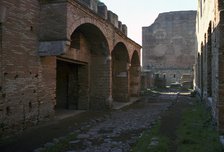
100, 83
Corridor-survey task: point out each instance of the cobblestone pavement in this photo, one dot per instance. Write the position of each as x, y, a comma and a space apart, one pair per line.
119, 130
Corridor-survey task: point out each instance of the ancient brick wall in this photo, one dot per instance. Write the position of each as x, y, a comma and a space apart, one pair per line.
209, 62
169, 42
1, 74
36, 37
27, 92
53, 21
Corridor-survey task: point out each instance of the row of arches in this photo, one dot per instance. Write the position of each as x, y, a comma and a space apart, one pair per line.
90, 76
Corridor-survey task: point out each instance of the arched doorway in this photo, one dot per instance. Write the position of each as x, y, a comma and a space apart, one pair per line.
120, 67
89, 67
135, 75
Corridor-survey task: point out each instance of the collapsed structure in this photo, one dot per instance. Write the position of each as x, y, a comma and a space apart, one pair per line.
62, 54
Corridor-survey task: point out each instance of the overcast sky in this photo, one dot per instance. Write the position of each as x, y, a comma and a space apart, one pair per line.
138, 13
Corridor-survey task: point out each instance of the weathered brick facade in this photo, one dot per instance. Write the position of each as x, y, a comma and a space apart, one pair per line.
169, 45
57, 54
209, 61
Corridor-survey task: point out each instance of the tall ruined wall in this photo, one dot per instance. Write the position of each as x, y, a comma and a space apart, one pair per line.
169, 43
27, 95
205, 16
209, 61
170, 40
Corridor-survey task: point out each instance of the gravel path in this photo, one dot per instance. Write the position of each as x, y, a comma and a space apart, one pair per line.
114, 131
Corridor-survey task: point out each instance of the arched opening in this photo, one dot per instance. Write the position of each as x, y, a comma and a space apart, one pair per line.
120, 67
83, 72
198, 70
202, 70
135, 75
209, 61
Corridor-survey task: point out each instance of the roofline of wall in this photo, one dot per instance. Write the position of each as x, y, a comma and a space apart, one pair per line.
103, 20
89, 11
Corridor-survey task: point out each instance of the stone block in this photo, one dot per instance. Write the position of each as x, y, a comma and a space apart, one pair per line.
91, 4
53, 21
125, 29
102, 10
52, 48
112, 18
120, 25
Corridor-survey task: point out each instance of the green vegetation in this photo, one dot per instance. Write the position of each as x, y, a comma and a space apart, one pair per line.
194, 134
152, 141
61, 145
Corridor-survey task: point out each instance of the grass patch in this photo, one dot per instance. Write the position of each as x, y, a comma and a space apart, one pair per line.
196, 133
151, 141
62, 145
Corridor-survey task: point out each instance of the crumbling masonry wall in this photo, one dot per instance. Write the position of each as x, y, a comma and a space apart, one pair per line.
209, 61
169, 43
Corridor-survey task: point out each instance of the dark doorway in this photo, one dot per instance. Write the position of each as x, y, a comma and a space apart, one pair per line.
67, 85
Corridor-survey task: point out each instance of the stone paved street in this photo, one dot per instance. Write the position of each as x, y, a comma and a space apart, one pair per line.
114, 131
117, 131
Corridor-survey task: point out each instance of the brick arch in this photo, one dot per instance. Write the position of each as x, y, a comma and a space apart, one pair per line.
122, 47
135, 74
120, 65
98, 68
135, 58
91, 32
83, 21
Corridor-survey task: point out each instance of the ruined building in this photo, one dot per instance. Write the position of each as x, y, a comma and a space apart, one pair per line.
210, 60
169, 45
62, 54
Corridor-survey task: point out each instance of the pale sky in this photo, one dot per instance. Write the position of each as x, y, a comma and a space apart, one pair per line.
138, 13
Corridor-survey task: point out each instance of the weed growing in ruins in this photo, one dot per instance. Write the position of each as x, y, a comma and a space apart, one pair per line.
194, 133
152, 141
61, 145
